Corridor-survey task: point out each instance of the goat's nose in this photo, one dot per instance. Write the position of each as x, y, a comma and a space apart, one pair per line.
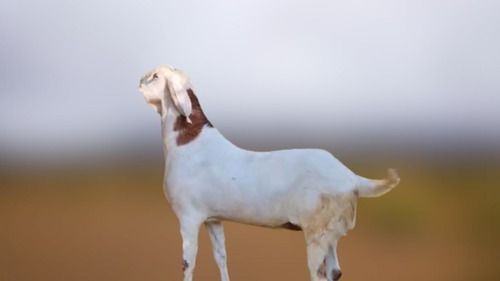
336, 274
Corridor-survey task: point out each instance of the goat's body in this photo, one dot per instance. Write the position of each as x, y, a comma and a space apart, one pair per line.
208, 179
263, 188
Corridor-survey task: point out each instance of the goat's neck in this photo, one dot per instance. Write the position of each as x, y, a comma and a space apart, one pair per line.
167, 130
176, 131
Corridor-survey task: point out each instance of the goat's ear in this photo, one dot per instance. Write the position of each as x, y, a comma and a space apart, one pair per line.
178, 85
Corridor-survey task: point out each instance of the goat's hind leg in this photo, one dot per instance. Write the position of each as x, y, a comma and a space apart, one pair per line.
216, 233
333, 272
317, 251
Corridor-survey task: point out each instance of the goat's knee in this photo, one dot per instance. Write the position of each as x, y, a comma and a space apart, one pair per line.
333, 275
336, 274
185, 265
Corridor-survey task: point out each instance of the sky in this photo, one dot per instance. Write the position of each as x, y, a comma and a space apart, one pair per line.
268, 73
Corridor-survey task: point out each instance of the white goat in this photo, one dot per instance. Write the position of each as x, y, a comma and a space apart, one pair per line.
208, 179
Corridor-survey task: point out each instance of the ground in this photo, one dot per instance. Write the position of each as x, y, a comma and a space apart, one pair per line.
114, 224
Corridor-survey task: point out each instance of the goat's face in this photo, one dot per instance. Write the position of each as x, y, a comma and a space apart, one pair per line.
152, 86
166, 85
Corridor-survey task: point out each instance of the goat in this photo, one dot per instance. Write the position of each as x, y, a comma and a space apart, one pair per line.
208, 179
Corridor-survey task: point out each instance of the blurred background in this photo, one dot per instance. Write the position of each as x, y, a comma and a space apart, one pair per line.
408, 84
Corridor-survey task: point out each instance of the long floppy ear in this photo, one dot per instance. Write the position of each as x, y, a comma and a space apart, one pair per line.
178, 84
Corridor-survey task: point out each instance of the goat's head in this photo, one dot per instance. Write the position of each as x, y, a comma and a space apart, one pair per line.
166, 86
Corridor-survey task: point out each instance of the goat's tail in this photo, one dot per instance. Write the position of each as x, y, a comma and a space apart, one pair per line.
375, 188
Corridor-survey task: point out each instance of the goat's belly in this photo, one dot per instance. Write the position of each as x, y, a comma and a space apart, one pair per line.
254, 219
271, 210
252, 216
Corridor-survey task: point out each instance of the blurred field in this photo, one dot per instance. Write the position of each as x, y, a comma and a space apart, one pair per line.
114, 224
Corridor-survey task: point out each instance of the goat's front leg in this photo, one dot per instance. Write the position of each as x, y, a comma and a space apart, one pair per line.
190, 227
216, 233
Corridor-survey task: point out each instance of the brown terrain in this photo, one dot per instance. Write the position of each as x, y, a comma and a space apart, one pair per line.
114, 224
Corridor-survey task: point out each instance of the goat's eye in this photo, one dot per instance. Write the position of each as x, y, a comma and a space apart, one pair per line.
155, 76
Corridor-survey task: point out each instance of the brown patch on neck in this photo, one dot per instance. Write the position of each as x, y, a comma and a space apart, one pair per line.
188, 132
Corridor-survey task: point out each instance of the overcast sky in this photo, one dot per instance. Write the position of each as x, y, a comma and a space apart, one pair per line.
265, 71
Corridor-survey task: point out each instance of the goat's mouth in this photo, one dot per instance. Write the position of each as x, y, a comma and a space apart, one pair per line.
142, 89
